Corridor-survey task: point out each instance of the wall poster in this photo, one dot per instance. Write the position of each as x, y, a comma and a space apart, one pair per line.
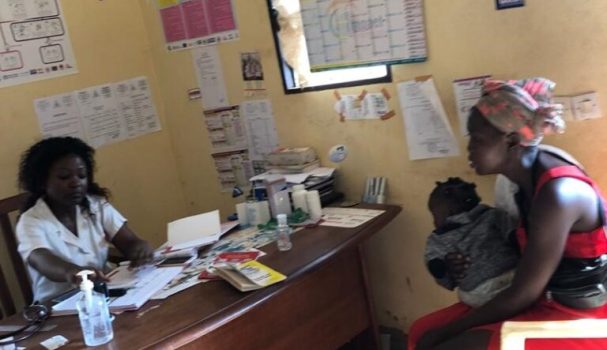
34, 42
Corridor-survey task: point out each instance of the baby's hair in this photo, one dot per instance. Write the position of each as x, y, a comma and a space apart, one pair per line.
457, 193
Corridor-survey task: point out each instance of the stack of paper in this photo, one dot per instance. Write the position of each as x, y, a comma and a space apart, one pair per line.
155, 279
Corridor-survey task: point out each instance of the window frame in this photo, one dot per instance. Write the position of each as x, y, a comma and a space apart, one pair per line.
287, 73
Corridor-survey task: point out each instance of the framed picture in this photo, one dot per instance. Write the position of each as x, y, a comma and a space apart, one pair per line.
506, 4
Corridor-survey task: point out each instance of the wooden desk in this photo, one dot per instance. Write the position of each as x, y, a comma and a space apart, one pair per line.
324, 303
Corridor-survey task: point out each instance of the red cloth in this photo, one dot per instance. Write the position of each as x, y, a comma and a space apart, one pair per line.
580, 245
544, 310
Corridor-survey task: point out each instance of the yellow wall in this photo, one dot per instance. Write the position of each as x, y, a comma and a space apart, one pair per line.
165, 175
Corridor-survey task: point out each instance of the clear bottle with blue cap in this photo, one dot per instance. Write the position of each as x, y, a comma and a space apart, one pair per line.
93, 313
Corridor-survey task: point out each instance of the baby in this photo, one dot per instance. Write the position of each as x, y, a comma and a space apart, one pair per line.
484, 234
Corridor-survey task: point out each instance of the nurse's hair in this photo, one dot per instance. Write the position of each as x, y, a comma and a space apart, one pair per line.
37, 160
456, 193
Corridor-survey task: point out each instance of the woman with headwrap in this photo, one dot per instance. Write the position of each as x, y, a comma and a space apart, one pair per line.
563, 265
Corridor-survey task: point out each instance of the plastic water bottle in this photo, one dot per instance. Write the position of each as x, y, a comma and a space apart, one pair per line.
284, 232
93, 313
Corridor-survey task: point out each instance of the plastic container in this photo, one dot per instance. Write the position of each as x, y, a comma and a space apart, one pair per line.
93, 313
283, 232
298, 196
314, 206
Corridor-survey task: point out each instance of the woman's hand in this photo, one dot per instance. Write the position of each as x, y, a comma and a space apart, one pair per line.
457, 266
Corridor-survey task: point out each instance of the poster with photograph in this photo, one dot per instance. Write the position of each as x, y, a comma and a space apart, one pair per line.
251, 66
252, 74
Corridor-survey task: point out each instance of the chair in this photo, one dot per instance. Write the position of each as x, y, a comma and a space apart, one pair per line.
7, 207
514, 333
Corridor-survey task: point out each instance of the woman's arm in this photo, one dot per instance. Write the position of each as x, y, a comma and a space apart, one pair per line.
561, 205
134, 248
56, 269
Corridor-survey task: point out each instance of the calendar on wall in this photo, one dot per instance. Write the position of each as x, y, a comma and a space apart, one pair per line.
363, 32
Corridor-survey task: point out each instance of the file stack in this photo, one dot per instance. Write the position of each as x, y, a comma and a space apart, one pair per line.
292, 160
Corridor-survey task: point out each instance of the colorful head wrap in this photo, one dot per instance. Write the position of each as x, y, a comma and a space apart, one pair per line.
522, 106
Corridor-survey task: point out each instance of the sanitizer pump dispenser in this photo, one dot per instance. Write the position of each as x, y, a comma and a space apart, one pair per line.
93, 313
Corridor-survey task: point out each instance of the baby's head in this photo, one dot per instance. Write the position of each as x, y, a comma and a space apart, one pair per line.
452, 197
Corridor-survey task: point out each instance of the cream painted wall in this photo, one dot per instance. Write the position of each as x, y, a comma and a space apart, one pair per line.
564, 40
110, 44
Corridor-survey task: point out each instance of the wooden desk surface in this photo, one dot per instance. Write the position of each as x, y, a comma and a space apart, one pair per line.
207, 307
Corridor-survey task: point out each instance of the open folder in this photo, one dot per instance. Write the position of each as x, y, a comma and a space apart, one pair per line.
194, 231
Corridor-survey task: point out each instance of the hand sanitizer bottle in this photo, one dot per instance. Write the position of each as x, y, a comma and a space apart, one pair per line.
93, 313
284, 233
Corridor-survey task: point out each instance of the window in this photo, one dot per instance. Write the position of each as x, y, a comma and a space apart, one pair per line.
291, 49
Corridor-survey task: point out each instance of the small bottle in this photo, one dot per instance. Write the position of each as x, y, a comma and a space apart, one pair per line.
283, 232
93, 313
298, 196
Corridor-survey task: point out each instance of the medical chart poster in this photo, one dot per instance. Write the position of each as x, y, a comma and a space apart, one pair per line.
209, 73
34, 42
362, 32
100, 115
227, 130
261, 129
191, 23
428, 132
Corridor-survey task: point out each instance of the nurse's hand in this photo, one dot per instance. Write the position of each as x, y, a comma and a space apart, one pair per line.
135, 249
140, 253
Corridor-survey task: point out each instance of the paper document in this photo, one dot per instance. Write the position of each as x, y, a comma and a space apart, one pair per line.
347, 217
133, 299
297, 178
194, 231
209, 73
262, 135
125, 277
427, 129
467, 93
59, 116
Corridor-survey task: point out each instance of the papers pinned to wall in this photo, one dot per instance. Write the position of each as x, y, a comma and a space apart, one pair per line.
209, 73
233, 169
427, 129
364, 106
100, 115
261, 129
467, 92
227, 130
240, 138
35, 42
